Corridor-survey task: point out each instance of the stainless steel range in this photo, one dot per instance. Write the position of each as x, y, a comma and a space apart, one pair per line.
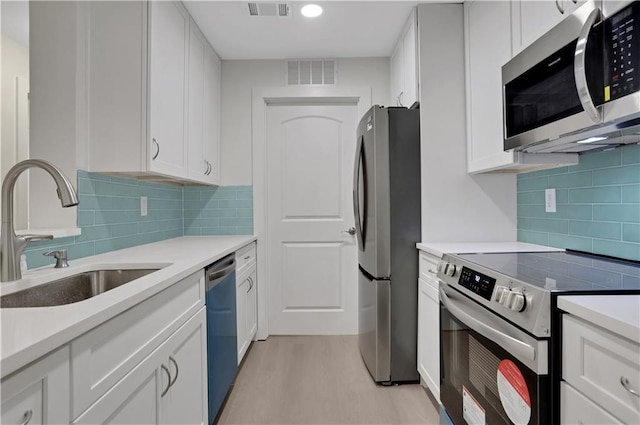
500, 335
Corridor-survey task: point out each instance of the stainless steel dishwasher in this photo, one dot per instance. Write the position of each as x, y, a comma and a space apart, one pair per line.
222, 333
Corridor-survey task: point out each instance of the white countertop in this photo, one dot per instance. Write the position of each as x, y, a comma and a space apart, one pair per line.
440, 248
616, 313
29, 333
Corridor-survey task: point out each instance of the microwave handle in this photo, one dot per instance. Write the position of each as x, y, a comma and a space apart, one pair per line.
579, 68
511, 344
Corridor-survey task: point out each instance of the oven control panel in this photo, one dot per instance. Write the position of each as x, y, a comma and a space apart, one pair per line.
477, 282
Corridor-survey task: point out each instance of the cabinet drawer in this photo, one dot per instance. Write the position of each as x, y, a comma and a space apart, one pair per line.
575, 408
245, 256
101, 357
39, 393
428, 266
595, 361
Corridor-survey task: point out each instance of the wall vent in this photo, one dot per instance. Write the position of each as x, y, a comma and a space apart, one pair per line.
311, 72
280, 10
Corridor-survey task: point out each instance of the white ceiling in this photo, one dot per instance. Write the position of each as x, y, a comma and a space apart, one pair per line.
345, 29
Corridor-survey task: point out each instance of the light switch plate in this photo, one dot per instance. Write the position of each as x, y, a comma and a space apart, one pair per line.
143, 206
550, 200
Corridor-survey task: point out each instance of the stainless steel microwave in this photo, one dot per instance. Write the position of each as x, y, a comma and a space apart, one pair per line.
577, 87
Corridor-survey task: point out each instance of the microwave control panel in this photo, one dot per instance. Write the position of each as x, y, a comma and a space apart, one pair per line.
622, 44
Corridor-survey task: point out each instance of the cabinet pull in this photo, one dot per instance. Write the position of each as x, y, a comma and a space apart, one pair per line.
247, 257
626, 384
250, 284
208, 168
560, 7
169, 384
157, 148
433, 271
172, 360
27, 417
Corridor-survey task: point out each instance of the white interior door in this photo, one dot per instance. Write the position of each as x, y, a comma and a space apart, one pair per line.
312, 260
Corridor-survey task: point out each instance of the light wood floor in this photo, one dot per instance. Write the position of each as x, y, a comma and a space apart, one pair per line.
318, 380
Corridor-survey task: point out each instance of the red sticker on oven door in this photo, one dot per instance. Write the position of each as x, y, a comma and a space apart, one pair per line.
514, 393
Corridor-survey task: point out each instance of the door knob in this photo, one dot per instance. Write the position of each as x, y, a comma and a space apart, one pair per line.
350, 230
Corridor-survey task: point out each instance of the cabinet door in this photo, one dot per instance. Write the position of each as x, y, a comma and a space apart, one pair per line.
185, 402
38, 394
195, 136
242, 287
429, 335
397, 75
252, 308
410, 70
211, 114
531, 19
168, 36
487, 48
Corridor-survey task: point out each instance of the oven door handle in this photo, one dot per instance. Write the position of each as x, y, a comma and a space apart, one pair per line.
509, 343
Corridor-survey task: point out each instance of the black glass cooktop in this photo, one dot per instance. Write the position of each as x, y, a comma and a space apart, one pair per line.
563, 271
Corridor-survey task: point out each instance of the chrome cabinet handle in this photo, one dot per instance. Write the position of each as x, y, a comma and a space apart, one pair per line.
206, 167
209, 168
627, 386
400, 98
157, 147
172, 360
579, 68
247, 257
250, 284
26, 418
560, 7
169, 384
432, 271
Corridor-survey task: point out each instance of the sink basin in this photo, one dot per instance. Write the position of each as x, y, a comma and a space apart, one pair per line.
72, 289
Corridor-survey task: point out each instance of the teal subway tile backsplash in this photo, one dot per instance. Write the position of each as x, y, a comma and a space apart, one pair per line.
218, 211
598, 204
109, 215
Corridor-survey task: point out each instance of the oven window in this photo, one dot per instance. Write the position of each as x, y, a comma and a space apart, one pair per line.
482, 383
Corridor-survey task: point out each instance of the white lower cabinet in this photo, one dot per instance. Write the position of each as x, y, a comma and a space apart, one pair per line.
429, 324
246, 298
38, 394
167, 387
601, 372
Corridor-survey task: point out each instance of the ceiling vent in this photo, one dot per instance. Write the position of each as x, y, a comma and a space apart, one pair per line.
311, 72
279, 10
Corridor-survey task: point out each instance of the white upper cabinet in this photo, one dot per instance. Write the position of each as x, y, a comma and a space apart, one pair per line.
404, 65
204, 109
150, 91
488, 47
531, 19
168, 35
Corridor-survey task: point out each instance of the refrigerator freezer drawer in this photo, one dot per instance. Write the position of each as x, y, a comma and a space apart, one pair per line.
374, 326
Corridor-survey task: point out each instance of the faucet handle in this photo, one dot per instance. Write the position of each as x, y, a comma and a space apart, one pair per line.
31, 238
61, 257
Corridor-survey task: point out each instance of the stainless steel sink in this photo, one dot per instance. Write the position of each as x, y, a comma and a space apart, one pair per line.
72, 289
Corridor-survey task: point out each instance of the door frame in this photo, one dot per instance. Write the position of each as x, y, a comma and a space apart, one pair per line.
261, 99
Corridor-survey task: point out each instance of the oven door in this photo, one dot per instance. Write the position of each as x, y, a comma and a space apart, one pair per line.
491, 371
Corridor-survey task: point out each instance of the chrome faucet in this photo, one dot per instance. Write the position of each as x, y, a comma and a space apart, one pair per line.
12, 246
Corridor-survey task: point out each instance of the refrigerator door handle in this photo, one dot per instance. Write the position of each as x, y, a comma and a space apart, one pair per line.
356, 192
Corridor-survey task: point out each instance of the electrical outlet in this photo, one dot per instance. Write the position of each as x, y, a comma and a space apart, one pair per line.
143, 206
550, 200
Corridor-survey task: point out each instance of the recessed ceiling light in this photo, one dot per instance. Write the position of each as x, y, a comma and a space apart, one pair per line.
592, 139
311, 10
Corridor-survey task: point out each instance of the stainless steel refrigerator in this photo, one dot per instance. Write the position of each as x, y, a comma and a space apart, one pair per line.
386, 195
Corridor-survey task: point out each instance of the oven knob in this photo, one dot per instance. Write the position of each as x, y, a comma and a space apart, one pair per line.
450, 270
500, 294
516, 301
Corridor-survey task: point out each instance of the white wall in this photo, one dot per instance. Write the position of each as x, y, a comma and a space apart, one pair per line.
455, 205
15, 63
239, 77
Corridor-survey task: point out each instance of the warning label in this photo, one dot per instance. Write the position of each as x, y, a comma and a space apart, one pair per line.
472, 412
514, 393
